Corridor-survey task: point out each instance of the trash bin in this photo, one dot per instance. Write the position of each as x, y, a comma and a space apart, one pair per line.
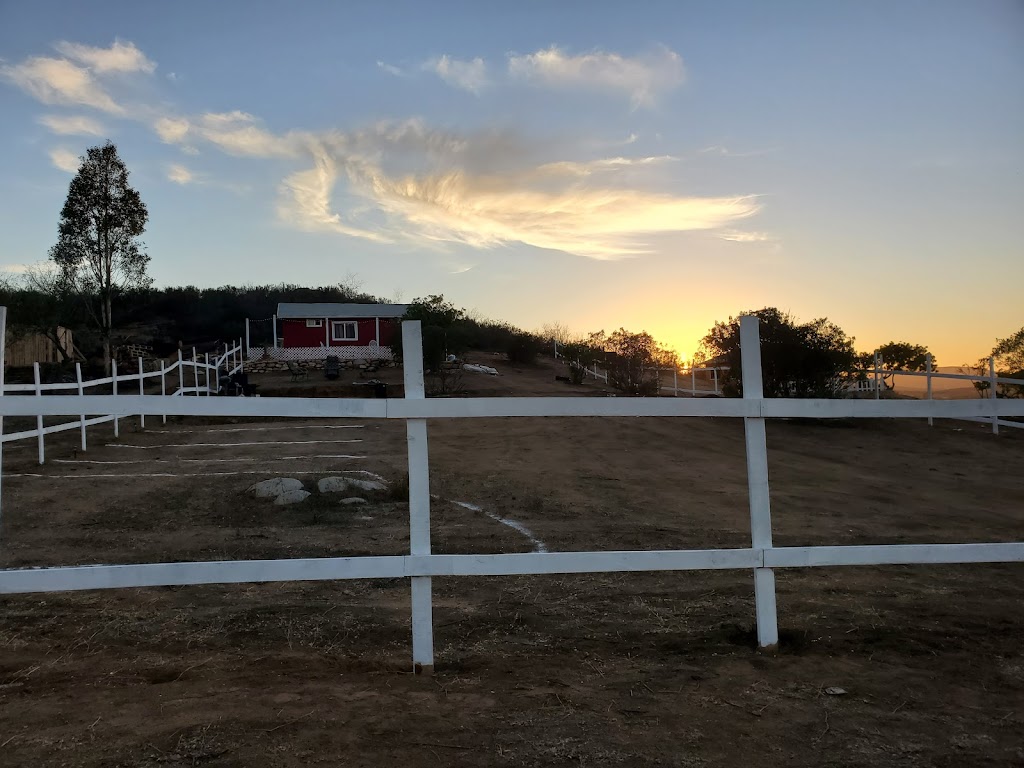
380, 389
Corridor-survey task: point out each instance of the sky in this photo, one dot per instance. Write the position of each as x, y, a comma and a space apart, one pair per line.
657, 166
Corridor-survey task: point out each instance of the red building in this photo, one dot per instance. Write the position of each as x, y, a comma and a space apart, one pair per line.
339, 325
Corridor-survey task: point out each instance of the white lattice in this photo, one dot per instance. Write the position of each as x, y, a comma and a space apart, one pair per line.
371, 352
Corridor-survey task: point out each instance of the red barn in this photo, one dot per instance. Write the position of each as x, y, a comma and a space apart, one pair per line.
339, 325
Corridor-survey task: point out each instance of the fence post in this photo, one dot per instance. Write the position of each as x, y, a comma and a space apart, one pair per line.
3, 366
39, 419
928, 380
241, 358
275, 330
757, 484
207, 359
714, 371
195, 372
246, 349
113, 374
675, 382
142, 416
693, 380
878, 362
181, 373
81, 393
993, 394
163, 385
419, 500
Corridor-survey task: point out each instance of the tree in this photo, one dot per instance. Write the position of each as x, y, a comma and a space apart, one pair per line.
898, 356
1009, 357
98, 253
633, 360
797, 359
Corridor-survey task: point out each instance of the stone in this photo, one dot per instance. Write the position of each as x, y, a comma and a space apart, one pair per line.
354, 500
292, 497
332, 484
275, 487
340, 484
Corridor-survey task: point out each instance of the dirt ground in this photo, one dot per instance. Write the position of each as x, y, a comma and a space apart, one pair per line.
609, 669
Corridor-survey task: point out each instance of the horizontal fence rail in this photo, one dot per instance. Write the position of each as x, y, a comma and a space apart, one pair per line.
190, 376
420, 566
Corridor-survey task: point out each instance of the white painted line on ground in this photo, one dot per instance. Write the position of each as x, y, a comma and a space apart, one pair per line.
538, 545
208, 461
228, 445
183, 474
259, 429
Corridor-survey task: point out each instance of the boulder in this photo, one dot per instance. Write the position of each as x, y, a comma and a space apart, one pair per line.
340, 484
332, 484
292, 497
275, 487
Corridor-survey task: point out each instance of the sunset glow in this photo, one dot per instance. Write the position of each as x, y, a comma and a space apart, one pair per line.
657, 171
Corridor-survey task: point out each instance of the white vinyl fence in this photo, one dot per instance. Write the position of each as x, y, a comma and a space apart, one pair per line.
188, 376
879, 374
420, 565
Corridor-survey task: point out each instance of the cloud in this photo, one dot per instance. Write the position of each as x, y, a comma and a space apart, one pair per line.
737, 236
120, 57
391, 69
65, 160
179, 174
238, 133
305, 201
15, 269
58, 81
642, 78
74, 125
171, 130
468, 75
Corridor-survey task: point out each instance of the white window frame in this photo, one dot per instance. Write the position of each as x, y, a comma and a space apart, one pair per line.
355, 330
314, 323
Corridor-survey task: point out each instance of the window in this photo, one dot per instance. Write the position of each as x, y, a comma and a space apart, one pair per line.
344, 330
314, 323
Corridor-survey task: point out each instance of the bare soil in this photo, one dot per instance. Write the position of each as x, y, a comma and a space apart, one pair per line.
610, 669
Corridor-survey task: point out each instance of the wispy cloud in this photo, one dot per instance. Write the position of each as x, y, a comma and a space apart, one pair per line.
737, 236
171, 130
391, 69
58, 81
643, 78
73, 125
65, 160
120, 57
468, 75
15, 269
179, 174
76, 78
410, 184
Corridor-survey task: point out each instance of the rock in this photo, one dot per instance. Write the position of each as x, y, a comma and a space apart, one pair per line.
275, 487
354, 500
292, 497
340, 484
332, 484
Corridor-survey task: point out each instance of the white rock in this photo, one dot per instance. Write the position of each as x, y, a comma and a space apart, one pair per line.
341, 484
276, 486
353, 500
332, 484
292, 497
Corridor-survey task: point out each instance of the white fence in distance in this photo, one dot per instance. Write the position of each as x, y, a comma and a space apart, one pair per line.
203, 375
420, 565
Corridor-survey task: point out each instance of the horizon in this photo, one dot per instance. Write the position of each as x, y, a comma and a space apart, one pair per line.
658, 172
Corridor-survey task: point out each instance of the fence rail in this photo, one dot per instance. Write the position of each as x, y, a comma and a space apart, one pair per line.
420, 565
229, 362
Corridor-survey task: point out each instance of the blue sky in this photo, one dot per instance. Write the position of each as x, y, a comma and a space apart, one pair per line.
658, 166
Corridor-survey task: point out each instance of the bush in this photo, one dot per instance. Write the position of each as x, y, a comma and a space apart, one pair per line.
522, 348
